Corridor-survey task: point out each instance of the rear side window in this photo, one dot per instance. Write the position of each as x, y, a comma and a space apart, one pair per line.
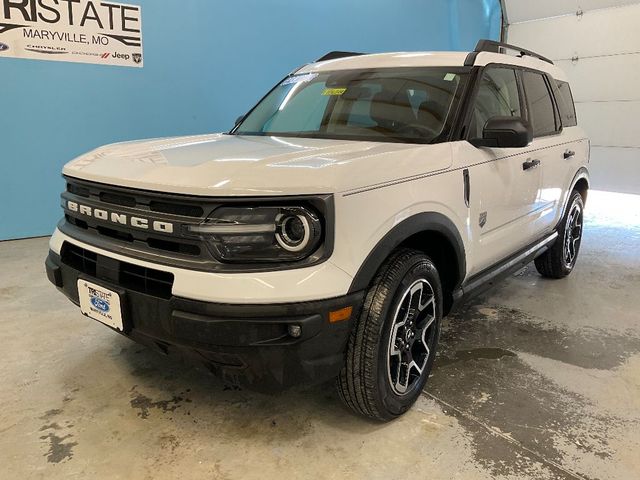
542, 114
497, 97
565, 104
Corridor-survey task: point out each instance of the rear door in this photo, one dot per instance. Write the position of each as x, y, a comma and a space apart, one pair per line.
547, 148
567, 156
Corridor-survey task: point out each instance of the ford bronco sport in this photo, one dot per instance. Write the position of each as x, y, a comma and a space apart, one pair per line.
328, 233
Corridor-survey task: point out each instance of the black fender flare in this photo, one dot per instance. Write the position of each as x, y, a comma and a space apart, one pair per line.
582, 173
419, 223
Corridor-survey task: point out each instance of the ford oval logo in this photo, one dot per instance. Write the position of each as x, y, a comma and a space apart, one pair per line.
3, 47
100, 304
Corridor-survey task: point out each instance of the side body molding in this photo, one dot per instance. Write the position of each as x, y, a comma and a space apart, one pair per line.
420, 223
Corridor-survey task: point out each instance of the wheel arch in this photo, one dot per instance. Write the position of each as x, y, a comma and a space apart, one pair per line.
430, 232
582, 186
580, 182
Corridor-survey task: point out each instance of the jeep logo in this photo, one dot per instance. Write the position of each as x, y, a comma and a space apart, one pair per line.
123, 56
120, 218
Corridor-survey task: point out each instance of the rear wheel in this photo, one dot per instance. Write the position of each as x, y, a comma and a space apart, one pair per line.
392, 346
559, 260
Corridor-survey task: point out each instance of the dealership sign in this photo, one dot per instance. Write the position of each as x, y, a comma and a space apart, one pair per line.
85, 31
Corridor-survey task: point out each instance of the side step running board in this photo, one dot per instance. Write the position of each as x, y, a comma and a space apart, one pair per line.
488, 277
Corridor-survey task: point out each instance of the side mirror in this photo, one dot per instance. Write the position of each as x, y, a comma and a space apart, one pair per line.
505, 132
239, 119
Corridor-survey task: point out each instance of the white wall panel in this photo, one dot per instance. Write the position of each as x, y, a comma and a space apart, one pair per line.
611, 124
525, 10
596, 33
615, 169
604, 78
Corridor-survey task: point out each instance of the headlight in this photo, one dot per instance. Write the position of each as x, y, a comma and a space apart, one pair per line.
261, 234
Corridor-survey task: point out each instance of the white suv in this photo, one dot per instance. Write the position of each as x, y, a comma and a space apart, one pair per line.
328, 233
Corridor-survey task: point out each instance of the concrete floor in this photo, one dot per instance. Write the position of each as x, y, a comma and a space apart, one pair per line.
536, 379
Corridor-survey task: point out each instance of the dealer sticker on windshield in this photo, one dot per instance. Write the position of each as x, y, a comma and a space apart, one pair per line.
100, 304
334, 91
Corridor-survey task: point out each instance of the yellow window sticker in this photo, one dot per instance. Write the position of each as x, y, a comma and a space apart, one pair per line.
333, 91
449, 77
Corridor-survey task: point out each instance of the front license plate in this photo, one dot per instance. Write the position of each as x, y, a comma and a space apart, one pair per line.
100, 304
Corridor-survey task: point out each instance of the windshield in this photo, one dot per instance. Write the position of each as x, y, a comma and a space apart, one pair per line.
405, 105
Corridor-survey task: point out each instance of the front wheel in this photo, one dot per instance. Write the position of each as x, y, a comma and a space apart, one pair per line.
559, 260
392, 346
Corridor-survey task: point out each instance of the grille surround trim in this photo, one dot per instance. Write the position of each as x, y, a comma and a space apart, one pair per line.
187, 251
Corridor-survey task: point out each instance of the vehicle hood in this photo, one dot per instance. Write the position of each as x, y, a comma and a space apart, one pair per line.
221, 164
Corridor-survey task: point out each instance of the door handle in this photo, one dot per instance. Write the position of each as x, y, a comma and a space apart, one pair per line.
530, 164
568, 154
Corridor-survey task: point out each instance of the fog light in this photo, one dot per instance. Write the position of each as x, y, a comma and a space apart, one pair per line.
295, 331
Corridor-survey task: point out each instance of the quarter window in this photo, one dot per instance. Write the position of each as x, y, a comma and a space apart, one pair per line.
542, 113
565, 104
497, 97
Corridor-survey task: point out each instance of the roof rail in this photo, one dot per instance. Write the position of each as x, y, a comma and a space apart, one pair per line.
337, 54
499, 47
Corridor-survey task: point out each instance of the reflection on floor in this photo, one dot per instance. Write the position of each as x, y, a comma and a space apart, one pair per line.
536, 379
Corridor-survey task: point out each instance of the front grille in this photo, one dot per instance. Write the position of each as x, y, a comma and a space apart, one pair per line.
79, 259
78, 190
177, 210
146, 280
103, 216
132, 277
115, 199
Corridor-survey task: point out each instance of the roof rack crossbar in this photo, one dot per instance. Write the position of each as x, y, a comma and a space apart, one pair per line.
500, 47
338, 54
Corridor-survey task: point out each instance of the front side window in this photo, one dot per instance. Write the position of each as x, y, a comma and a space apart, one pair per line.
541, 111
497, 97
411, 105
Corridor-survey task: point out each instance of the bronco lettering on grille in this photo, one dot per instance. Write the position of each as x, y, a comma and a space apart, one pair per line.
121, 218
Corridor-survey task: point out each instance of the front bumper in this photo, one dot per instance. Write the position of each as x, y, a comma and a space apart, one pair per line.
242, 343
317, 282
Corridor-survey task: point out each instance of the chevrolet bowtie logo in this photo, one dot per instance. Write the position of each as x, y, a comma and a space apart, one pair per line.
120, 218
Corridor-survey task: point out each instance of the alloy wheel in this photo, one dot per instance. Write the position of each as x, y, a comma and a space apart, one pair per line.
413, 332
572, 235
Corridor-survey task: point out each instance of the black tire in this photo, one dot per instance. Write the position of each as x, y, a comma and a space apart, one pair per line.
376, 371
559, 260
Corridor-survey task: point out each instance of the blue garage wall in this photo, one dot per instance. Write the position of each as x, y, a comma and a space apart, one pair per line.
206, 62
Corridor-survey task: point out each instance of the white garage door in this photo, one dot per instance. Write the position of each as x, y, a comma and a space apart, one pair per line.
597, 42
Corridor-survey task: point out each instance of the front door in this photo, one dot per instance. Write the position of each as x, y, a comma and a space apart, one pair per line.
505, 182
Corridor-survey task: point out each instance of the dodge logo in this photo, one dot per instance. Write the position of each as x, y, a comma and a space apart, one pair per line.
121, 218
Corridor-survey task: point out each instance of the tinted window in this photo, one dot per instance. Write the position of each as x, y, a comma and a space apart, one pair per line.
565, 104
403, 105
497, 96
304, 113
541, 112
